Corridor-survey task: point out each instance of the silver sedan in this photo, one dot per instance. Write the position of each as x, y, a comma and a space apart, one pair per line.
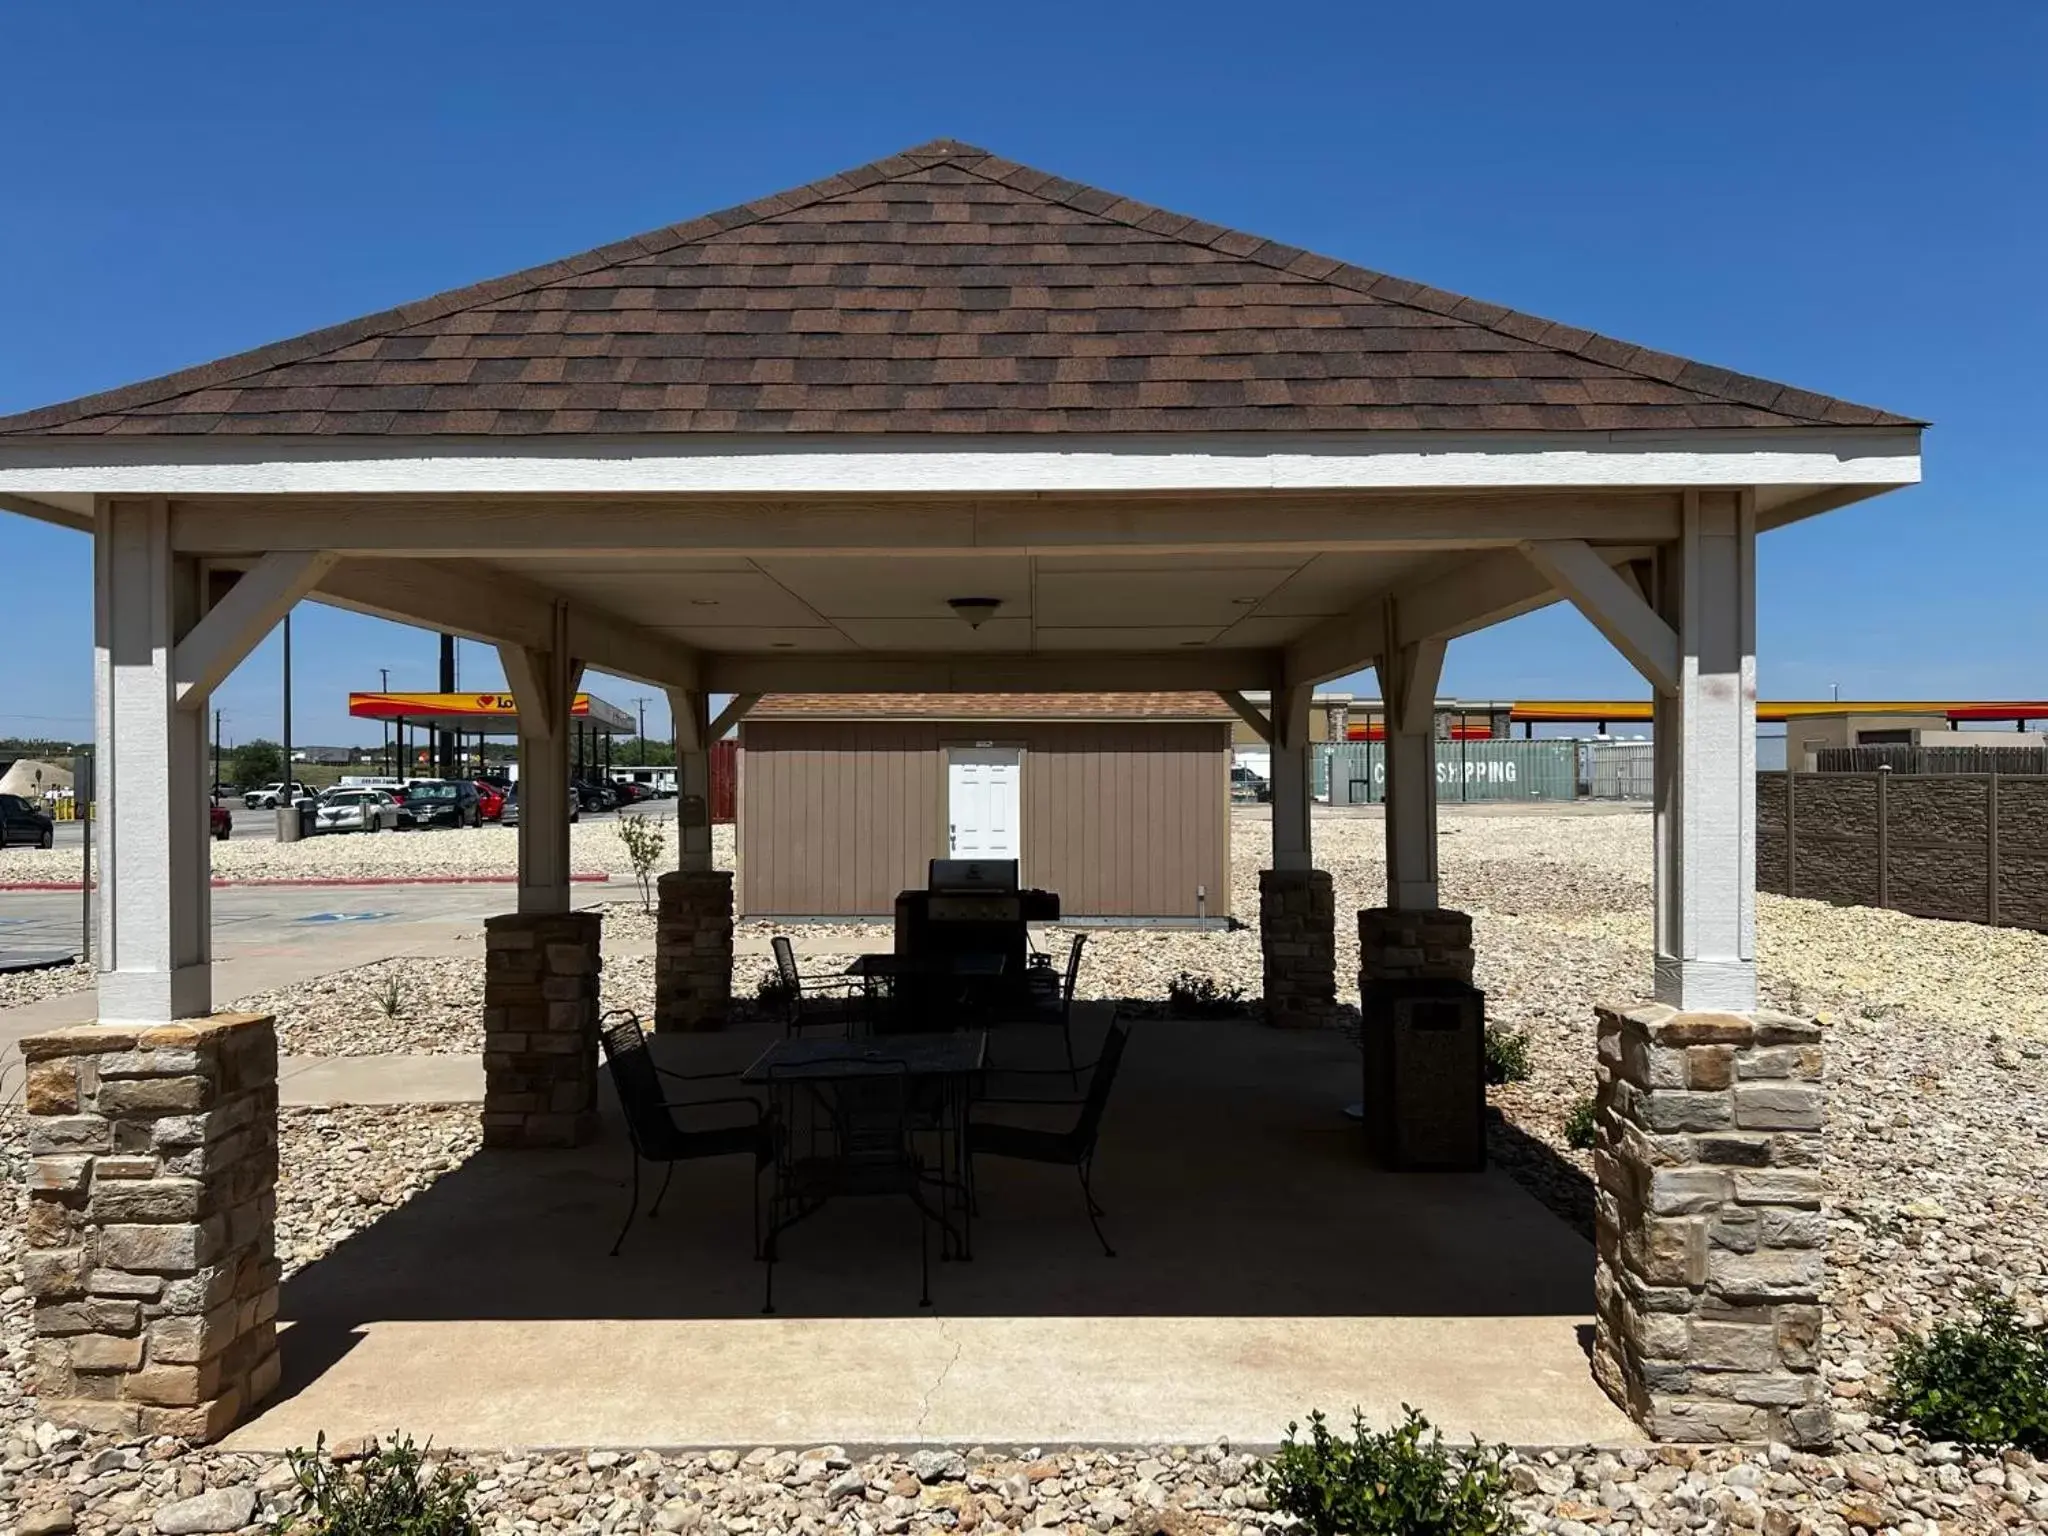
355, 810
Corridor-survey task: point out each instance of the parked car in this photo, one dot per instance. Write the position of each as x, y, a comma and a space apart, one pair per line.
1247, 787
356, 810
490, 799
594, 796
443, 803
23, 821
509, 817
220, 821
630, 793
265, 797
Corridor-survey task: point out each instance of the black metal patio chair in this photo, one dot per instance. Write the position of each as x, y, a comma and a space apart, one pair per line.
865, 1145
1071, 1148
845, 1004
1052, 1000
654, 1128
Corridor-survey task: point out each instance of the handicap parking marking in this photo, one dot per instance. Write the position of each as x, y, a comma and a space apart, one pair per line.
343, 917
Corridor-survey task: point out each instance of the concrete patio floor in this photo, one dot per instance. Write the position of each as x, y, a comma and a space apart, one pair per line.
1265, 1268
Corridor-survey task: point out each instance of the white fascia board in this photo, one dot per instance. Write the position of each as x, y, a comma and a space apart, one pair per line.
894, 465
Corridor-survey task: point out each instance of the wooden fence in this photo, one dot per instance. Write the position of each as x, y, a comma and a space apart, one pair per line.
1972, 847
1901, 758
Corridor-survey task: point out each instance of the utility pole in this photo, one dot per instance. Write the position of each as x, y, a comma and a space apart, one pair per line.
446, 754
641, 739
216, 746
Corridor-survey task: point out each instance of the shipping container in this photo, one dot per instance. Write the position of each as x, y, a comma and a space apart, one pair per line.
1466, 771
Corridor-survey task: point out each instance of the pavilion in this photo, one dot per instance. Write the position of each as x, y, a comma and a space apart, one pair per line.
770, 450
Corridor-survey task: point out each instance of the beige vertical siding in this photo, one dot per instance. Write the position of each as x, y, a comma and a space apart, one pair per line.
1123, 819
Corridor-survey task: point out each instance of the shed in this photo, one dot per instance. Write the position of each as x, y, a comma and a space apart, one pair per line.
1120, 802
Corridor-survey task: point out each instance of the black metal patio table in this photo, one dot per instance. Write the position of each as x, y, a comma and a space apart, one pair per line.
928, 991
851, 1110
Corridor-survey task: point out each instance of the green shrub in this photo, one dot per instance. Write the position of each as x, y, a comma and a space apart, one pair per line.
1189, 996
1981, 1379
1389, 1484
1582, 1126
773, 995
1507, 1056
644, 839
390, 1492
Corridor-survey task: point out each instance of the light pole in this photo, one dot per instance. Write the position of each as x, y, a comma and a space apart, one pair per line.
216, 747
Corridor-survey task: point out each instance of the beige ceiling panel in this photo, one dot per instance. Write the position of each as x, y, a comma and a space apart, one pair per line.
699, 598
761, 638
1262, 631
1280, 565
1162, 637
903, 587
1181, 596
1331, 584
939, 635
539, 567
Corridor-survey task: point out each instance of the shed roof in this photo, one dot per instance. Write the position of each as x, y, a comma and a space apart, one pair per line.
992, 706
944, 289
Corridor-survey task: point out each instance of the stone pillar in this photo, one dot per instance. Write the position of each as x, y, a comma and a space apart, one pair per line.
540, 1028
151, 1224
1414, 946
154, 910
693, 950
1298, 943
1711, 1239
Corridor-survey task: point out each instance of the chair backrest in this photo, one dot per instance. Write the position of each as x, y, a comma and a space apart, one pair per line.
1101, 1081
635, 1079
1073, 967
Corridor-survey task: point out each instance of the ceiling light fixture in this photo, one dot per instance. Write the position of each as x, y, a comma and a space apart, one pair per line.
977, 611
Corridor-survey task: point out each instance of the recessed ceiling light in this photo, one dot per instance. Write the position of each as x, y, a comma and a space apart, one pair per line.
1194, 642
1244, 602
703, 602
783, 645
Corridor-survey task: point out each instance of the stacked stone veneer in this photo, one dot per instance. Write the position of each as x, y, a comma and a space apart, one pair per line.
693, 951
1433, 944
540, 1028
1711, 1235
1298, 942
150, 1232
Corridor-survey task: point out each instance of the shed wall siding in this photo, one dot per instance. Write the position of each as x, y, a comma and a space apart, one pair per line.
1122, 819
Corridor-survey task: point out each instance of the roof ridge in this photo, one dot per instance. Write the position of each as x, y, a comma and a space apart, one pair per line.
225, 371
1700, 379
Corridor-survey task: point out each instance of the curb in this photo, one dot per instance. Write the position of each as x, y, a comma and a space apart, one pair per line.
309, 880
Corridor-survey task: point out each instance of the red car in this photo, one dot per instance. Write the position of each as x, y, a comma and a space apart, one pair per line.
490, 800
220, 821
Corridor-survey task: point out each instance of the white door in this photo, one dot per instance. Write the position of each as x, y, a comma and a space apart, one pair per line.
983, 799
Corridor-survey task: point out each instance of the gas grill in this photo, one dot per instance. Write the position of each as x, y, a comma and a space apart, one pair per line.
974, 907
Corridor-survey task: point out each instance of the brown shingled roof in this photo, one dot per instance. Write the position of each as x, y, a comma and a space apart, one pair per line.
944, 290
992, 706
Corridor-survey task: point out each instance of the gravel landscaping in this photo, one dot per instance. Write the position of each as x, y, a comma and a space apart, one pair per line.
20, 988
1937, 1175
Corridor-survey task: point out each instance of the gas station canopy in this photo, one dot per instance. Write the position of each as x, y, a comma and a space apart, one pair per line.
483, 714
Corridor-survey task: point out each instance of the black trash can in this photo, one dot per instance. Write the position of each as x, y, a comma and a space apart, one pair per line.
1425, 1074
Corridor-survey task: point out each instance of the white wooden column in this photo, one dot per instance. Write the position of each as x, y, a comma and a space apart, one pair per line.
690, 708
544, 686
1292, 848
1705, 734
155, 911
1408, 681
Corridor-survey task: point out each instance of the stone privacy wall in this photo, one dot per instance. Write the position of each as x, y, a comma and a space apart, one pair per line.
540, 1028
1433, 945
693, 951
150, 1233
1970, 847
1711, 1239
1298, 941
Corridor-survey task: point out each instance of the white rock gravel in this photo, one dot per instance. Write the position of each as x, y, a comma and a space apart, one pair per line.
20, 988
1937, 1177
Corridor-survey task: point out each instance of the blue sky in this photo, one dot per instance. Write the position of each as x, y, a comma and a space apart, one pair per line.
1843, 196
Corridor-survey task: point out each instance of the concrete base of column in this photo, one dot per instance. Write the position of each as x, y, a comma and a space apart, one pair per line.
1711, 1240
1298, 943
540, 1028
693, 951
1426, 944
151, 1224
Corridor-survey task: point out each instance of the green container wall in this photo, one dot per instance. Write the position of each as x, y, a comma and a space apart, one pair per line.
1465, 771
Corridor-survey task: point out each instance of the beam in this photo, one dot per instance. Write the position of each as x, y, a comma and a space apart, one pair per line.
1249, 713
78, 521
911, 526
1613, 606
735, 711
502, 609
236, 625
1193, 671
